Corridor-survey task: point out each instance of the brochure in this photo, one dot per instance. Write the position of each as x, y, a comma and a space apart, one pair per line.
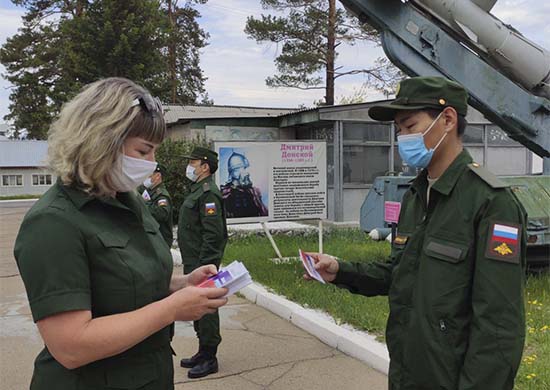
234, 277
309, 265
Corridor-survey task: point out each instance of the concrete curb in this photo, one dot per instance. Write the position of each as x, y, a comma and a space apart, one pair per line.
19, 200
359, 345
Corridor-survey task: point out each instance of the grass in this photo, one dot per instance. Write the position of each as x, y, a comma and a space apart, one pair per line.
370, 314
286, 279
534, 372
17, 197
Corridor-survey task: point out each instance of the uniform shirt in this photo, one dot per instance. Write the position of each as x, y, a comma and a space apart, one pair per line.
202, 230
159, 203
77, 252
431, 182
455, 283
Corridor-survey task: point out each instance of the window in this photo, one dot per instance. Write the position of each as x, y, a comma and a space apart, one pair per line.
12, 180
473, 135
366, 152
364, 163
41, 180
366, 132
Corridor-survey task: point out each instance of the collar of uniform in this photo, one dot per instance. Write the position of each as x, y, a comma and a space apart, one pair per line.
78, 197
447, 181
197, 185
421, 182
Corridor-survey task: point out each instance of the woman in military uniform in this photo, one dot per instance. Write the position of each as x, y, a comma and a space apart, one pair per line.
97, 273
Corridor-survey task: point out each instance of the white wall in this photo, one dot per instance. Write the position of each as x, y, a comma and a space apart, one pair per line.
27, 188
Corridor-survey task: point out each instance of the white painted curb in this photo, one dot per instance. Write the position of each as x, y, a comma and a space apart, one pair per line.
357, 344
32, 200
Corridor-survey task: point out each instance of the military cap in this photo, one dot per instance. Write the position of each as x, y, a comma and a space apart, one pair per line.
203, 154
161, 169
419, 93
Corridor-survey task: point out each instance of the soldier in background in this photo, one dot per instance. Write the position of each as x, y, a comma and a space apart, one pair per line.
240, 197
202, 236
158, 201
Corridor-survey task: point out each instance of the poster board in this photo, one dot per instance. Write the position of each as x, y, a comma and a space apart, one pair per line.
273, 181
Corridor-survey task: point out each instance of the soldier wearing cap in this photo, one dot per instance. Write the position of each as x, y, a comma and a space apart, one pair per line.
158, 201
202, 235
455, 276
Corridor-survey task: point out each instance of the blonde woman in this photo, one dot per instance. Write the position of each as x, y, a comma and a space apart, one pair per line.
97, 273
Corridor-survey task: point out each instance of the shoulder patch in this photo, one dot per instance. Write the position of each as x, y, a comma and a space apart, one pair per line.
206, 187
504, 242
210, 209
162, 202
486, 176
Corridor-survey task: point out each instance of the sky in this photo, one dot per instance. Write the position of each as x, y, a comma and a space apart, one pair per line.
236, 67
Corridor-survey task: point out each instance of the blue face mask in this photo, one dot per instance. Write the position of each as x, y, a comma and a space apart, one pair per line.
412, 149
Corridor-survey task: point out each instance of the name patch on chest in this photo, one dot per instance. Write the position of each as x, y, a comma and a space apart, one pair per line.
210, 208
503, 243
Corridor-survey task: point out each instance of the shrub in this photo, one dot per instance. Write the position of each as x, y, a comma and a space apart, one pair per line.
170, 155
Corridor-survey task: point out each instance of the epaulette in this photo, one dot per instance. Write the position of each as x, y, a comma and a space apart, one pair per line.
206, 187
486, 176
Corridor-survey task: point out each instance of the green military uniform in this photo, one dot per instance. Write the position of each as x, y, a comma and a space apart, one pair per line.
159, 203
456, 305
77, 252
202, 236
455, 278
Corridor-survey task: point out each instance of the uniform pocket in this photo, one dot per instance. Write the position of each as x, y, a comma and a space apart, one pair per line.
111, 240
445, 250
446, 273
112, 279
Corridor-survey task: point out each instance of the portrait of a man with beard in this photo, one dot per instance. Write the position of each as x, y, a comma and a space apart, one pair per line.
241, 198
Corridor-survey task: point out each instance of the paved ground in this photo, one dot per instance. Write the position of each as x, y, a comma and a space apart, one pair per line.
259, 350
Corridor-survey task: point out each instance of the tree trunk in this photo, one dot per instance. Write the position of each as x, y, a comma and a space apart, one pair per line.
172, 53
331, 39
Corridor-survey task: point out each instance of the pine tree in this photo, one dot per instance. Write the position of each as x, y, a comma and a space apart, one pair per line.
64, 45
310, 33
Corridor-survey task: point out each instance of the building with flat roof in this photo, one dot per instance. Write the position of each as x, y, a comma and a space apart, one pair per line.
23, 168
358, 148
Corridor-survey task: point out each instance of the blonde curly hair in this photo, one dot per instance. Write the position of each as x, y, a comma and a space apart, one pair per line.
85, 142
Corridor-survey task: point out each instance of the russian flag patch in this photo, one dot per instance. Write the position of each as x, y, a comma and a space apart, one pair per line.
210, 208
503, 242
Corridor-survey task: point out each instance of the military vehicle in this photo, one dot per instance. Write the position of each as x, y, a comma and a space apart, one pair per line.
507, 77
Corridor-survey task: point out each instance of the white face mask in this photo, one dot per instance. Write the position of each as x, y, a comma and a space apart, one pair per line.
130, 172
190, 173
148, 183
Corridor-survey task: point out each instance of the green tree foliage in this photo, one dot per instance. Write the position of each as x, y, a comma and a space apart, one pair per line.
310, 32
64, 45
170, 155
185, 39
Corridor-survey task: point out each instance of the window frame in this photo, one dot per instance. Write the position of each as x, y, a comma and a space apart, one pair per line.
14, 185
41, 175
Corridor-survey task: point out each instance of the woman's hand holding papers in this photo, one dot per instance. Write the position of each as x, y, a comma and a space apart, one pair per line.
191, 303
201, 274
326, 265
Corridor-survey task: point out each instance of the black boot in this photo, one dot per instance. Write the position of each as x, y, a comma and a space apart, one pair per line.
204, 368
193, 360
